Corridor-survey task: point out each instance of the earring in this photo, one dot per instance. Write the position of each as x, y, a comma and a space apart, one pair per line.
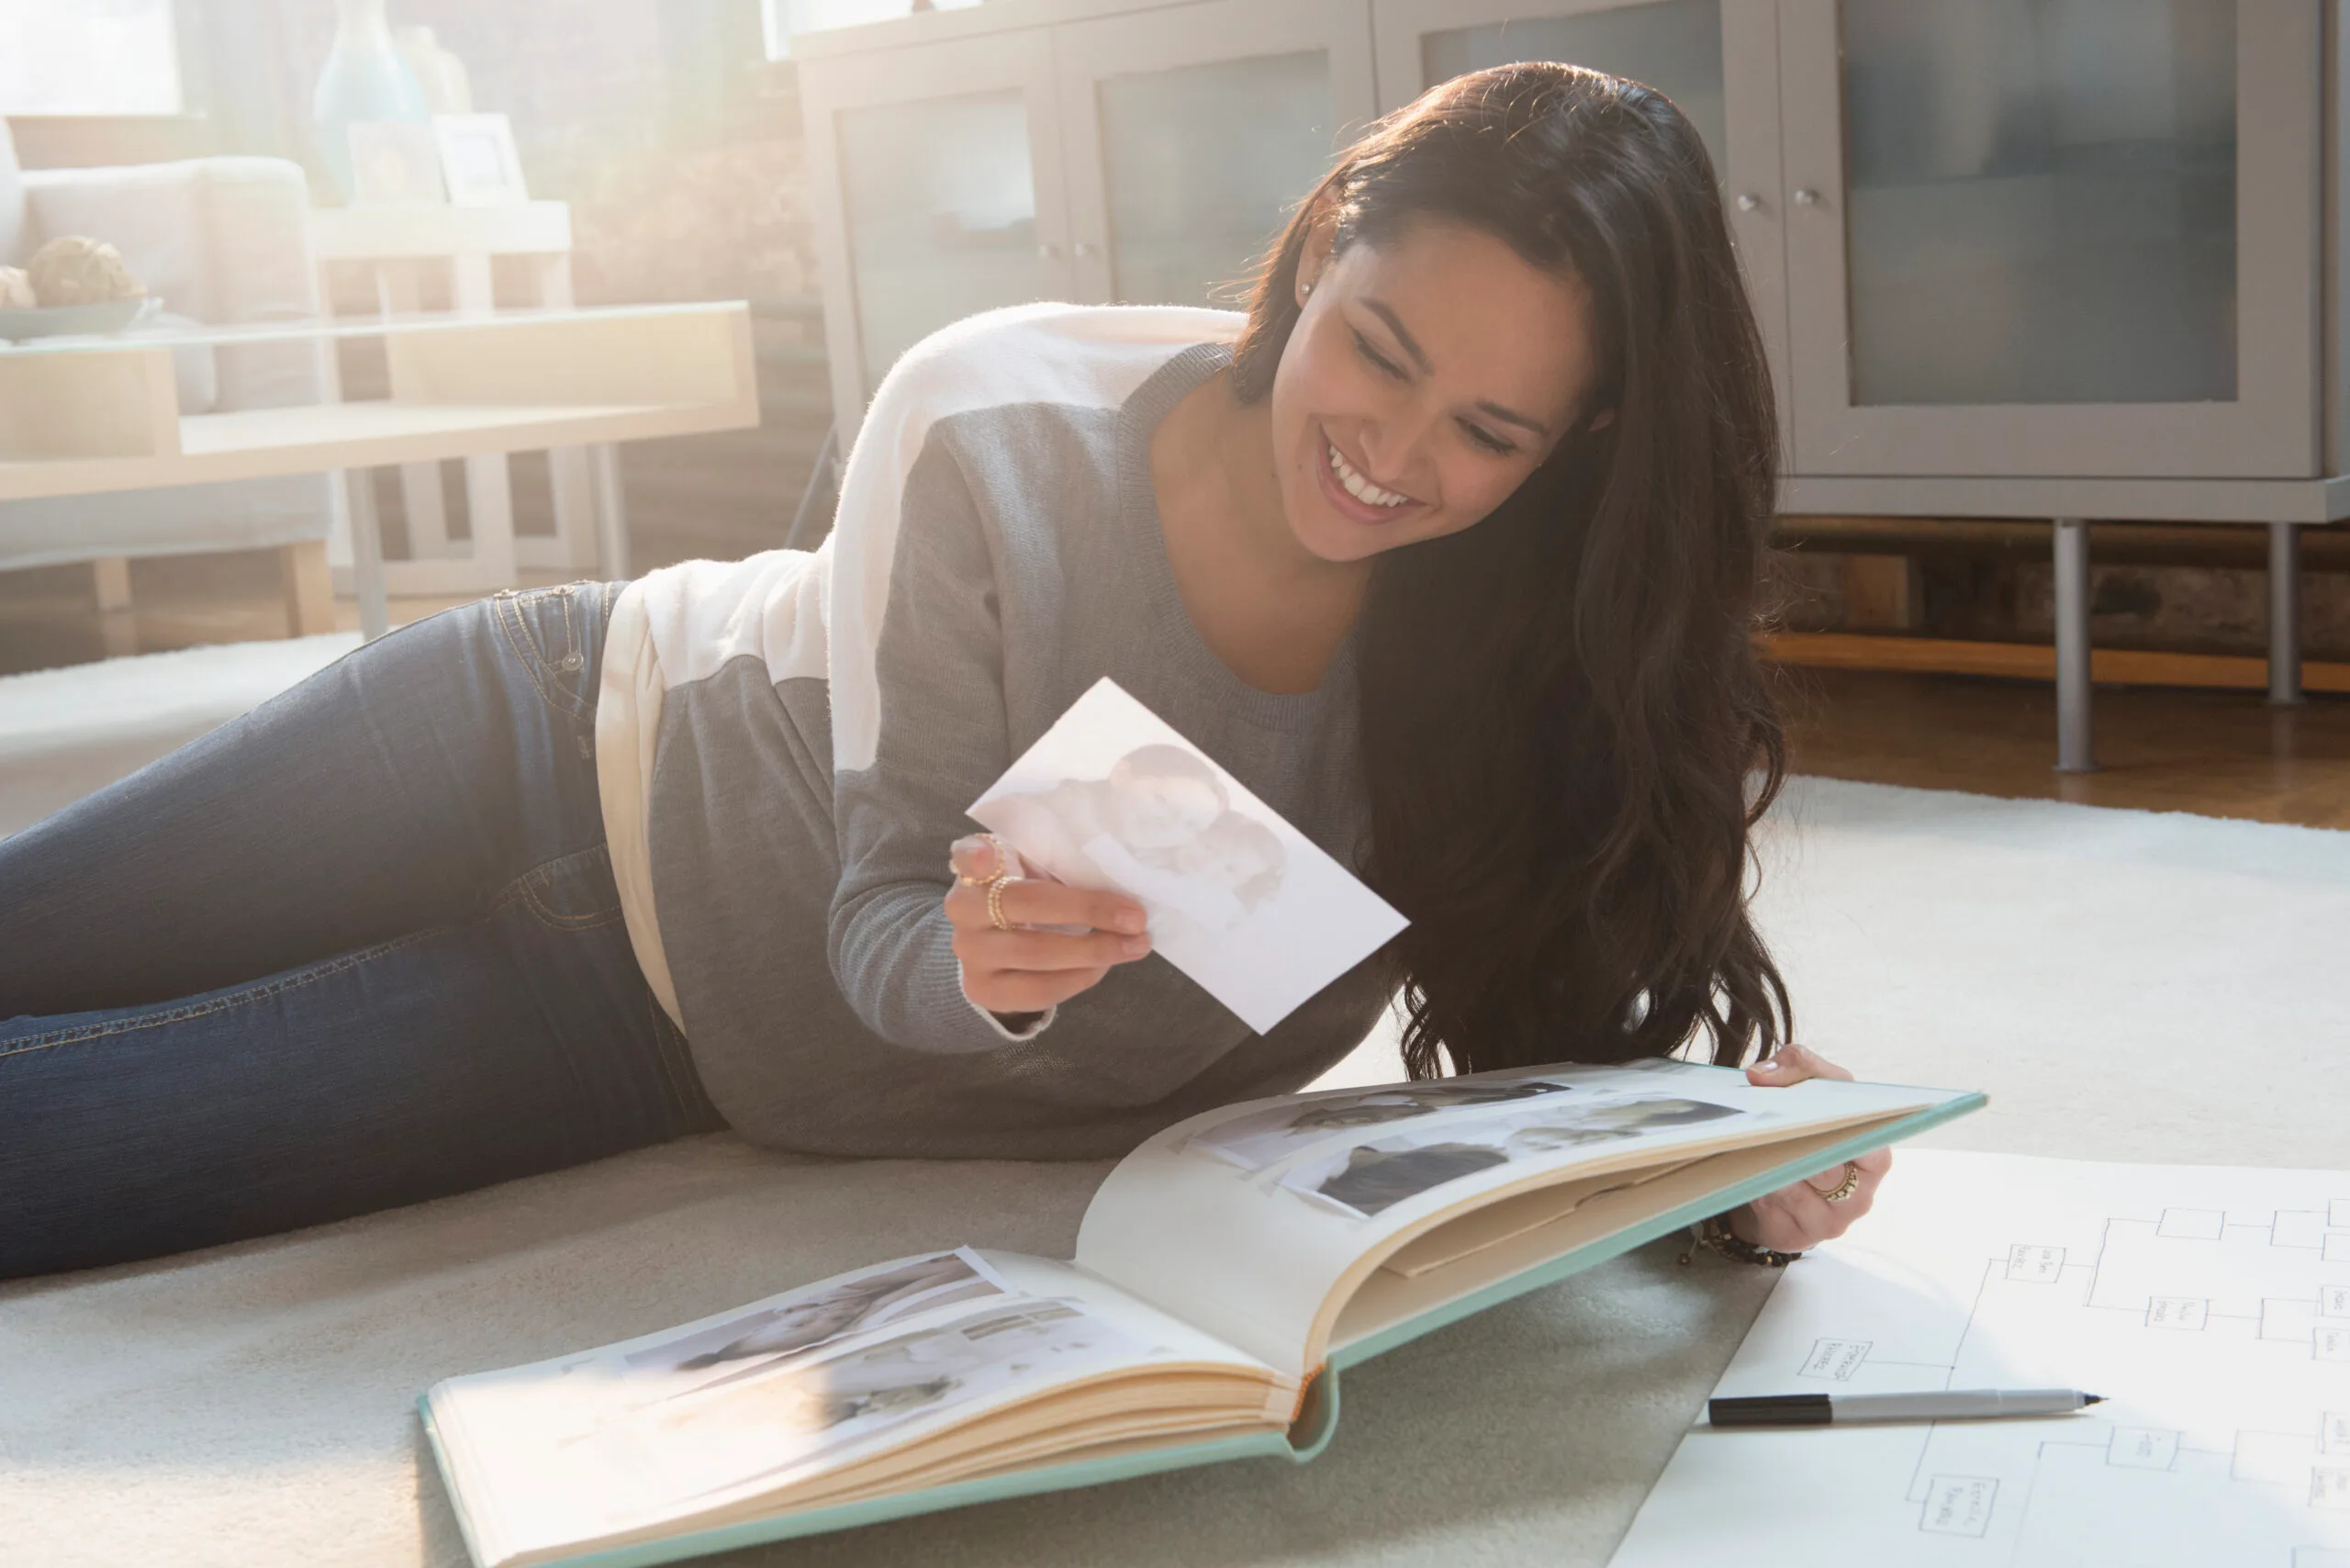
1304, 292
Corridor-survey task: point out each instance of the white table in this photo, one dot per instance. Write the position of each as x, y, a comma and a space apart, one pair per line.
397, 242
90, 414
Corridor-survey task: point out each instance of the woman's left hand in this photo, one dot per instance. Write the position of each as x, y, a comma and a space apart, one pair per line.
1799, 1217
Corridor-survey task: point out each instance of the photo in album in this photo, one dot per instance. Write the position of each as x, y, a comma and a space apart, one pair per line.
1373, 1176
805, 1410
807, 1319
1265, 1137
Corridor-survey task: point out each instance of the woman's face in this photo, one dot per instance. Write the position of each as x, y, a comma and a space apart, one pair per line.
1425, 379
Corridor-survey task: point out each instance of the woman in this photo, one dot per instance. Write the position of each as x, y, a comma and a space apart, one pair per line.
1447, 549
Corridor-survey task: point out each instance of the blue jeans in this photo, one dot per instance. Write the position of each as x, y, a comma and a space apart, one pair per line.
357, 948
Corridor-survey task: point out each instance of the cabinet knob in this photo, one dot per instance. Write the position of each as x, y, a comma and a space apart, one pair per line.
1084, 249
1807, 196
1048, 250
1748, 201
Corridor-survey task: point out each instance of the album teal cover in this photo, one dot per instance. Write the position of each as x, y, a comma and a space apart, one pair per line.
1227, 1274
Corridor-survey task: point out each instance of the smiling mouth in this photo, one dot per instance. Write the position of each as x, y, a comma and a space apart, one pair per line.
1356, 485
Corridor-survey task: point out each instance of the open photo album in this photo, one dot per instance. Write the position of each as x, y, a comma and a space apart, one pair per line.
1226, 1271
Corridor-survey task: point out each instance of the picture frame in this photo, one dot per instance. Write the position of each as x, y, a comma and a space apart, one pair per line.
395, 164
478, 160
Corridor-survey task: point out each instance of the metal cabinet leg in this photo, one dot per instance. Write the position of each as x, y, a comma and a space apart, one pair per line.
2284, 614
367, 555
2075, 736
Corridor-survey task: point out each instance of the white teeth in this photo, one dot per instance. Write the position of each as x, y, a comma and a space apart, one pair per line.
1357, 486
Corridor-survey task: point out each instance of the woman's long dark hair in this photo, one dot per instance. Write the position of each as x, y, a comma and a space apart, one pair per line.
1565, 731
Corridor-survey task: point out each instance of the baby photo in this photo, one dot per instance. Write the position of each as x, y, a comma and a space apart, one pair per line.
1370, 1178
1112, 798
1267, 1137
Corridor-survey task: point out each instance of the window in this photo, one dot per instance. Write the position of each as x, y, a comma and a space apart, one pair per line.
89, 57
785, 17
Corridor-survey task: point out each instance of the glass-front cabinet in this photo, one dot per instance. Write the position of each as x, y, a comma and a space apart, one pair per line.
2022, 238
937, 177
1140, 156
2053, 237
1195, 130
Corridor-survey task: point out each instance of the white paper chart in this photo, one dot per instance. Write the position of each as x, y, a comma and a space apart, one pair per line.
2211, 1306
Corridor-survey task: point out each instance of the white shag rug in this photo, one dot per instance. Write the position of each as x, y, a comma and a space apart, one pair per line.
2126, 985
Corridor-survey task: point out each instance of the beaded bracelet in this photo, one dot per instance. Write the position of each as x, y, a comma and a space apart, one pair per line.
1715, 1235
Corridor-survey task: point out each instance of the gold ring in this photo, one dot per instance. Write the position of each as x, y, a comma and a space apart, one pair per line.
1002, 861
1844, 1189
995, 900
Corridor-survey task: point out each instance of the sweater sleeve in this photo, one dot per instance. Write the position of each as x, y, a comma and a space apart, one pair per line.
942, 737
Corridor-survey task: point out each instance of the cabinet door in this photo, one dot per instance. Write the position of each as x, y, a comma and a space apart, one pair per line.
1191, 133
937, 188
1717, 60
2054, 237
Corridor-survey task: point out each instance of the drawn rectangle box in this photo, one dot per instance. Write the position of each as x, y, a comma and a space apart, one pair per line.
2337, 1213
2176, 1312
2334, 1432
1838, 1359
2192, 1225
1959, 1505
2337, 1244
2333, 1344
2330, 1487
2035, 1265
2297, 1227
2142, 1448
2271, 1459
2333, 1301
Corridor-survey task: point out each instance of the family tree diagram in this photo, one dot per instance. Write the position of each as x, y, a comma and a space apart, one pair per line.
2211, 1309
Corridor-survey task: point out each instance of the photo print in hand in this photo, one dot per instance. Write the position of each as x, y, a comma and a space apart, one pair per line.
1113, 799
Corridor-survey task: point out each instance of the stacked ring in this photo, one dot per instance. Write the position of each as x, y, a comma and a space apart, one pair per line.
995, 900
1844, 1189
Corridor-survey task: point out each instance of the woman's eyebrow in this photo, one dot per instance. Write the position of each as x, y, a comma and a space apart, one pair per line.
1419, 357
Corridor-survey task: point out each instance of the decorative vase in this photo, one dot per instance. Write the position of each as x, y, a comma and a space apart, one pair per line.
447, 89
363, 79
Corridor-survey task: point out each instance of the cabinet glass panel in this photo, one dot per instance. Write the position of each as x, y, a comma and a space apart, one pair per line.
2041, 200
942, 217
1203, 163
1673, 46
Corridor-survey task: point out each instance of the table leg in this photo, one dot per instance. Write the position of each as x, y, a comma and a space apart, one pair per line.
611, 510
420, 501
2076, 735
489, 494
2284, 614
367, 555
573, 546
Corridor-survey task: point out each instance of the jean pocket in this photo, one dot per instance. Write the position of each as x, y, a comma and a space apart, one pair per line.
575, 892
557, 633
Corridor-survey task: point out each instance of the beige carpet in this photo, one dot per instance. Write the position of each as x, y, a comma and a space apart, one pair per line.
2127, 986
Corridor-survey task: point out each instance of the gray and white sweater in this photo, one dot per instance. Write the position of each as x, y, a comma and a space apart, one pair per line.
786, 745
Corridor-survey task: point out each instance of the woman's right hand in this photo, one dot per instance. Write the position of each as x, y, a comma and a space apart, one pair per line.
1027, 970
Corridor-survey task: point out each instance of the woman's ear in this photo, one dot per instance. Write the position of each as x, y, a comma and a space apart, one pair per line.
1599, 421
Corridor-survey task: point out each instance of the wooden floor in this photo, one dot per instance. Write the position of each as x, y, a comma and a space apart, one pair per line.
2221, 754
2218, 753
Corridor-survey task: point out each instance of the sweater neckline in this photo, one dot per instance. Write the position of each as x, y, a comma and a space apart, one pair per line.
1138, 506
